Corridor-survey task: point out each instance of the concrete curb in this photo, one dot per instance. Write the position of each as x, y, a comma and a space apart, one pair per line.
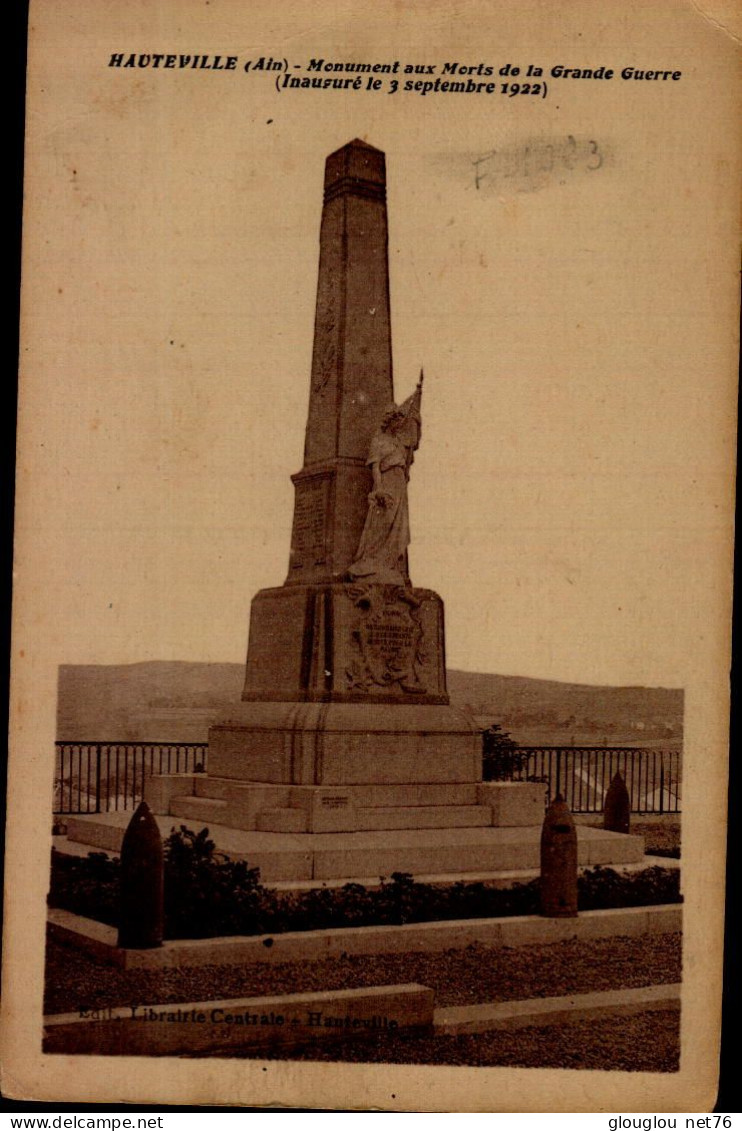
457, 1020
239, 1023
309, 946
236, 1025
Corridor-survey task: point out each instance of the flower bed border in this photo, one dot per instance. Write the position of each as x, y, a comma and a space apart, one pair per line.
99, 940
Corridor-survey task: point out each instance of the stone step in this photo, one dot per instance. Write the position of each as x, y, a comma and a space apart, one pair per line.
281, 821
207, 809
395, 854
414, 793
242, 794
260, 811
423, 817
329, 856
427, 851
367, 795
499, 879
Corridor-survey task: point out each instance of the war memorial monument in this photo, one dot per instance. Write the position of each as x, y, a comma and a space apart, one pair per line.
345, 759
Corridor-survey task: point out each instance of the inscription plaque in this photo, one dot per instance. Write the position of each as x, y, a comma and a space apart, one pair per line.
338, 802
309, 535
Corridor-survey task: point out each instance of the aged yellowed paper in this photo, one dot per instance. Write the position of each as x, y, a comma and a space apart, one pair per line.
539, 206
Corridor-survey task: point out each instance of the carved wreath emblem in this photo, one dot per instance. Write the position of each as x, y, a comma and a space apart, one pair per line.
387, 640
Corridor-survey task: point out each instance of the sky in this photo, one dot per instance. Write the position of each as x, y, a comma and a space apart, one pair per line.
551, 266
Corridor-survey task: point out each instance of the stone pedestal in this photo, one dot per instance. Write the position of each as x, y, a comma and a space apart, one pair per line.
345, 744
347, 643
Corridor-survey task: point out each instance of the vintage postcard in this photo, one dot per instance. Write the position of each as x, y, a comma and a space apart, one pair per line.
373, 555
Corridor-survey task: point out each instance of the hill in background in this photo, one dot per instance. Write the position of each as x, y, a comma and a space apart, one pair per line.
176, 701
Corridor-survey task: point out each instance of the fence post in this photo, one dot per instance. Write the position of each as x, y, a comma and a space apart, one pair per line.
662, 781
97, 777
617, 808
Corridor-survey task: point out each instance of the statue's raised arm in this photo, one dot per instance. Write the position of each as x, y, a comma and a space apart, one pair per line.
410, 429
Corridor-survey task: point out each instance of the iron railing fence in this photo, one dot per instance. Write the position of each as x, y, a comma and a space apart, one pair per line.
102, 777
582, 775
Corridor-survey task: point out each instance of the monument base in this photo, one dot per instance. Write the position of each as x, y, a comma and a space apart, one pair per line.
335, 767
254, 806
345, 768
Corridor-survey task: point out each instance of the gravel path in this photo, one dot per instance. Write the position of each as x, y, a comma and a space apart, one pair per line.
645, 1042
459, 977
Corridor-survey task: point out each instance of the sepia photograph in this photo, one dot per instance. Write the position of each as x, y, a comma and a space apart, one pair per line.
369, 715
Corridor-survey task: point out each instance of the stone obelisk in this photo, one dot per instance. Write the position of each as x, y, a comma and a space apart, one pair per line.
315, 638
351, 382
